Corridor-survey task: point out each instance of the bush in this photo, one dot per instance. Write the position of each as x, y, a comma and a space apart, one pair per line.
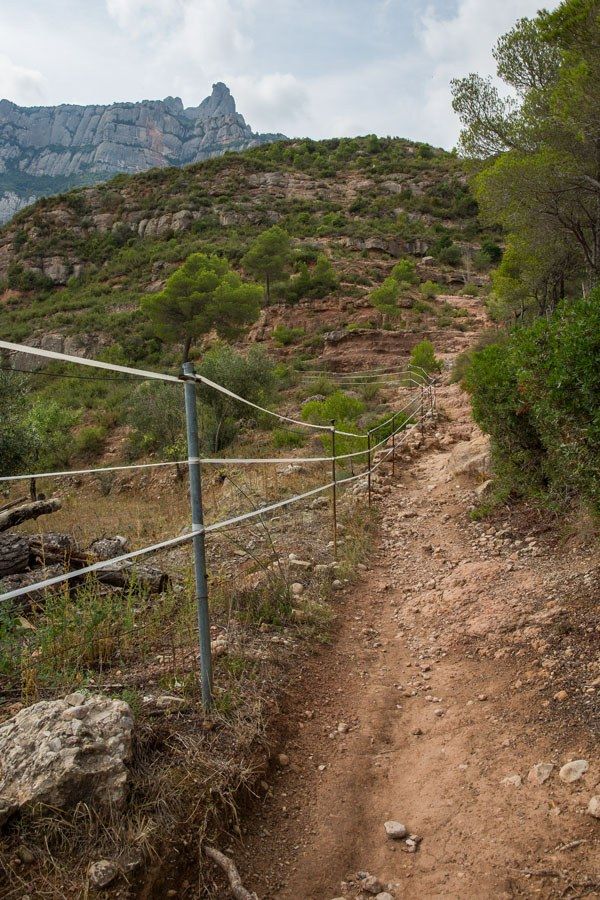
283, 335
90, 439
429, 289
285, 437
451, 255
536, 393
423, 356
405, 271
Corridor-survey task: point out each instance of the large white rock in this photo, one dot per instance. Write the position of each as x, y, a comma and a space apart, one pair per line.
59, 752
470, 457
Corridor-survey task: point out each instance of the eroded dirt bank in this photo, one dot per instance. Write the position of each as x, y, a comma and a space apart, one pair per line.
467, 655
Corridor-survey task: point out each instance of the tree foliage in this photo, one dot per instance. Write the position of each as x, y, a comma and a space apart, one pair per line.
385, 299
543, 181
201, 295
268, 257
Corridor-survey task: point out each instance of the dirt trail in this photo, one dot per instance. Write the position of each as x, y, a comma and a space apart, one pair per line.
445, 663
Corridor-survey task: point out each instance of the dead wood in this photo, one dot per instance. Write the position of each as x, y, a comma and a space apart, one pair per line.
11, 517
235, 882
14, 554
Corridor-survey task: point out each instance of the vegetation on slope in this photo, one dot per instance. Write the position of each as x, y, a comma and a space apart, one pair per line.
536, 390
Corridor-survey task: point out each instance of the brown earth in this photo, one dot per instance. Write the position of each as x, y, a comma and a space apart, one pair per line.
468, 653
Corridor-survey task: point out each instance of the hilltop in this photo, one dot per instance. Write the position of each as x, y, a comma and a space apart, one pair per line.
45, 150
73, 267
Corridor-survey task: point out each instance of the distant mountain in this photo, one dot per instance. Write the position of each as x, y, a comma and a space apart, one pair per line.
46, 150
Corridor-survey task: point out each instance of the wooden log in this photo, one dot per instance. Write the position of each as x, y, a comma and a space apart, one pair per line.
14, 582
14, 554
12, 517
55, 546
124, 575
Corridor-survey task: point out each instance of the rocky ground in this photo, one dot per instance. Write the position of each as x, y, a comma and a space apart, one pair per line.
462, 679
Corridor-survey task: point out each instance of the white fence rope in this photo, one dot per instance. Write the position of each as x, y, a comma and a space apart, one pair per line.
173, 542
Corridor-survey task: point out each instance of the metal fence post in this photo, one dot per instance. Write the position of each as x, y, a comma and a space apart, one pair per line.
334, 489
369, 463
393, 445
191, 422
422, 414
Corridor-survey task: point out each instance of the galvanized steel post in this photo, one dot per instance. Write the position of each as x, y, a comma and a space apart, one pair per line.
394, 444
369, 463
334, 489
191, 421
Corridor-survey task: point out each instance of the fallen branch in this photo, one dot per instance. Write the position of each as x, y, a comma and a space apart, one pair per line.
12, 503
12, 517
235, 882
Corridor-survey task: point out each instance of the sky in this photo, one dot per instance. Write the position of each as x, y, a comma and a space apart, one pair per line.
316, 68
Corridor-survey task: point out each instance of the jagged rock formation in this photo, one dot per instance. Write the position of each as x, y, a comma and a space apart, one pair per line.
48, 149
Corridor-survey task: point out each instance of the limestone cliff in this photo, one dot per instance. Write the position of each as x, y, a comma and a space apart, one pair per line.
47, 149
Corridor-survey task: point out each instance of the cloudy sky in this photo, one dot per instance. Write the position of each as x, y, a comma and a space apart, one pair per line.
320, 68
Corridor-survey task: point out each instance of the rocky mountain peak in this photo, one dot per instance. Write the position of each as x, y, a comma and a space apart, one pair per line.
46, 150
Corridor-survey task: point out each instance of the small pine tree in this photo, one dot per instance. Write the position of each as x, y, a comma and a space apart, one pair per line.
268, 257
201, 295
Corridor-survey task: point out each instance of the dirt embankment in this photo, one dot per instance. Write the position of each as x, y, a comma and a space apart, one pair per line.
467, 656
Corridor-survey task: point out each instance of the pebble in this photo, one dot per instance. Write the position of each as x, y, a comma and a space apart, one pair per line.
514, 780
395, 830
102, 872
561, 695
594, 807
540, 773
384, 896
572, 771
343, 728
283, 759
297, 588
372, 885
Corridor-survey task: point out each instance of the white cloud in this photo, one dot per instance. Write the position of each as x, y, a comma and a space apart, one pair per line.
275, 102
19, 84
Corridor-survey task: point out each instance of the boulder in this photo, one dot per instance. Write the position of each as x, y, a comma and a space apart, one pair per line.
470, 457
60, 752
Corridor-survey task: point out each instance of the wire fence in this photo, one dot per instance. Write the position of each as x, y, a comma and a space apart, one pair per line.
174, 648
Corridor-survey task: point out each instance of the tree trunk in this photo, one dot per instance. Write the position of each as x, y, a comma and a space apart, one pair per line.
268, 286
186, 349
12, 517
14, 554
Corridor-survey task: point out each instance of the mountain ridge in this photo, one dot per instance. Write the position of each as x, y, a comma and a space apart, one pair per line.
45, 150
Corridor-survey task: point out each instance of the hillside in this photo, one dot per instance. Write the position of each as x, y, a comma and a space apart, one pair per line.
48, 149
73, 267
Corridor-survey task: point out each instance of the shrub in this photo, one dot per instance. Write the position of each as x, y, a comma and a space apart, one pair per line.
286, 437
405, 271
429, 289
536, 393
283, 335
423, 356
90, 439
451, 255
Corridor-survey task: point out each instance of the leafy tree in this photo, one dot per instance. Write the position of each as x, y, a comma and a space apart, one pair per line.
268, 257
201, 295
385, 299
544, 186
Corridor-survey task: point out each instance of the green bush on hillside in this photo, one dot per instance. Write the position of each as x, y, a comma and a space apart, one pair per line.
537, 393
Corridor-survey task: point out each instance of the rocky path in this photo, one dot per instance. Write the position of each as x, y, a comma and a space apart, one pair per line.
466, 656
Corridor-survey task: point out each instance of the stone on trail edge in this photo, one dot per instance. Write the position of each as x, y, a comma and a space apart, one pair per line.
59, 752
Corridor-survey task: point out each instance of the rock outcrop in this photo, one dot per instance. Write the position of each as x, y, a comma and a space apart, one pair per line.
46, 149
60, 752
